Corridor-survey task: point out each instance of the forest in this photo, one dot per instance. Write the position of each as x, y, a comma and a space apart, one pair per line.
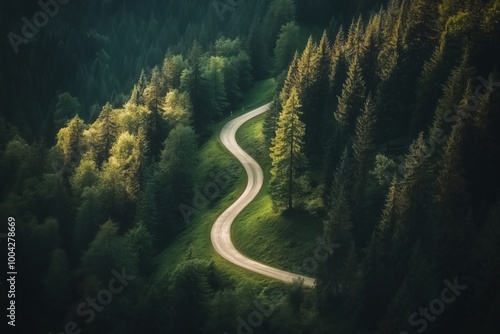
381, 139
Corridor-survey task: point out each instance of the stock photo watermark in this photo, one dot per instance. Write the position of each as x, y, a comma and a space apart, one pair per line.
436, 307
97, 304
324, 249
31, 28
205, 195
11, 270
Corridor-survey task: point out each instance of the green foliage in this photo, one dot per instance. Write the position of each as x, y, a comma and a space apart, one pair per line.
350, 102
140, 241
67, 107
384, 170
172, 70
288, 160
363, 143
89, 216
286, 46
280, 13
57, 289
70, 141
103, 133
414, 60
178, 109
108, 251
190, 292
86, 175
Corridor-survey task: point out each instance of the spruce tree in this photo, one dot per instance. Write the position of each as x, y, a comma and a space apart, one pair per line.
288, 159
106, 132
350, 102
391, 31
308, 73
193, 82
363, 145
154, 98
291, 80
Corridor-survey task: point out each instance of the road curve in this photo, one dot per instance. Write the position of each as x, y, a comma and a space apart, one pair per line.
221, 230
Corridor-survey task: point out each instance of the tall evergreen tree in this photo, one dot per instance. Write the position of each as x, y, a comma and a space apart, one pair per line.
106, 132
196, 85
363, 146
351, 101
154, 95
308, 74
172, 71
291, 80
288, 159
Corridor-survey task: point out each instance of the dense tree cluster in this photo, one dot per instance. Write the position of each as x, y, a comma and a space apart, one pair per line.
107, 194
408, 112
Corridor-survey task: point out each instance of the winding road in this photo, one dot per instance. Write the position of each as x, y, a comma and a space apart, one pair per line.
221, 230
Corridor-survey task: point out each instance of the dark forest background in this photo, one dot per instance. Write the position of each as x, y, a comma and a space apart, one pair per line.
391, 111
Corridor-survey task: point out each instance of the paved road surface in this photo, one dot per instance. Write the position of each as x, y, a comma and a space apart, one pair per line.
221, 230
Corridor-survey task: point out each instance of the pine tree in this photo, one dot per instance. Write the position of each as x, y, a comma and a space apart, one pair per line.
452, 94
451, 180
112, 185
154, 98
108, 250
337, 62
413, 200
291, 80
363, 145
214, 75
307, 70
420, 29
137, 97
354, 41
308, 74
89, 215
337, 77
106, 133
321, 117
196, 85
337, 273
287, 155
352, 98
172, 70
391, 31
271, 121
429, 88
447, 9
369, 49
